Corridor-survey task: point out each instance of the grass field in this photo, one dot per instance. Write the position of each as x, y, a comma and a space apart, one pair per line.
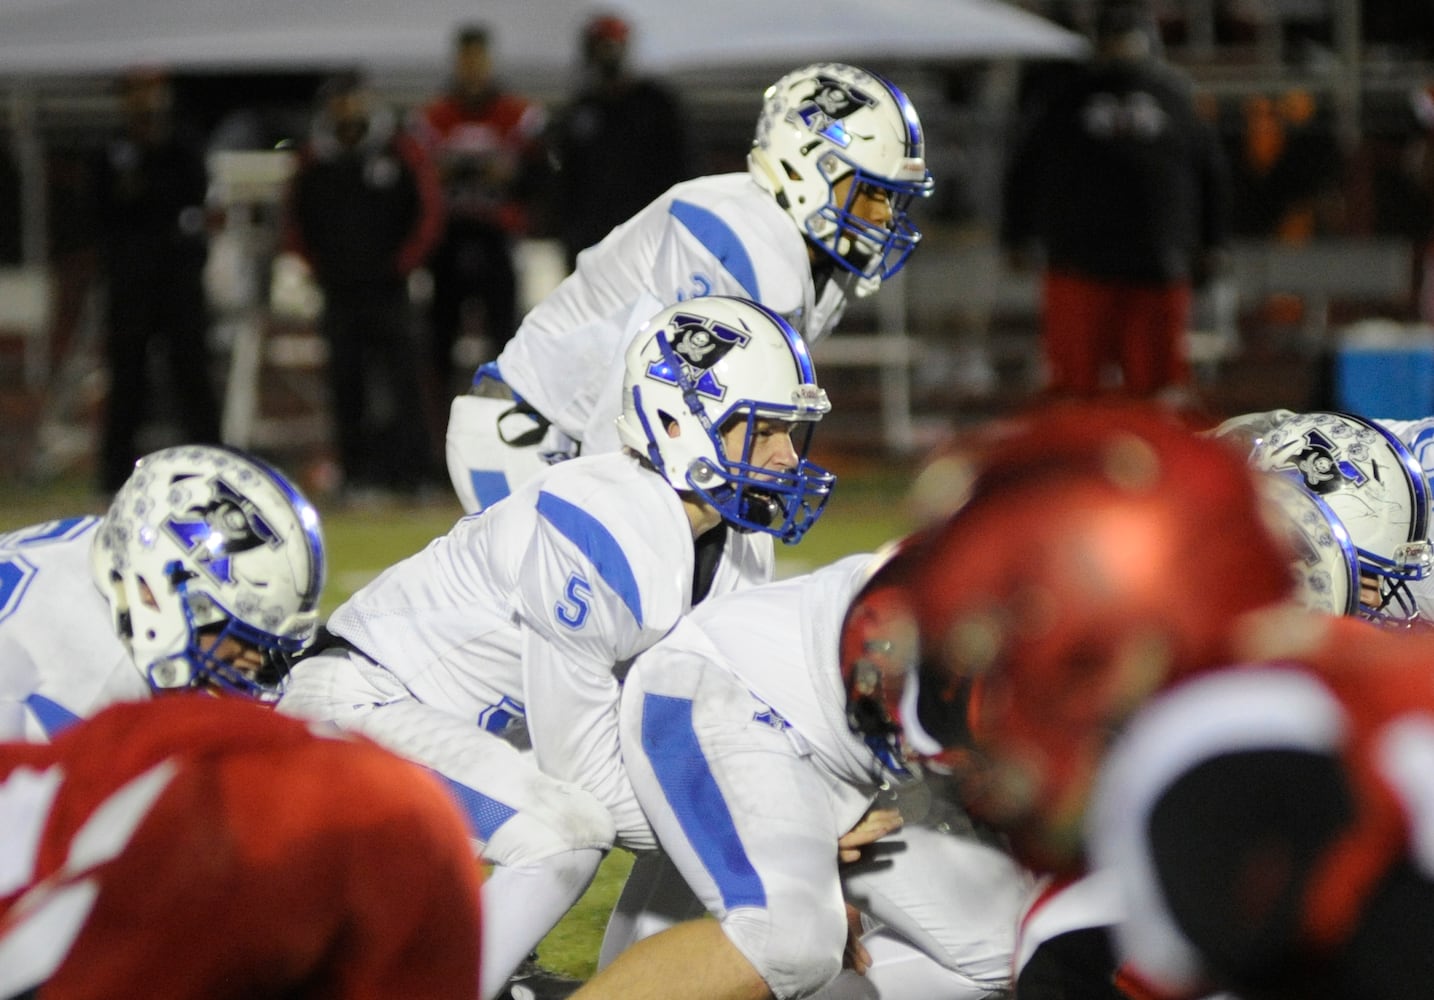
865, 511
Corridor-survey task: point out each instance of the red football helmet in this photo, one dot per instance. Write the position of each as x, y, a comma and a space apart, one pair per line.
1100, 552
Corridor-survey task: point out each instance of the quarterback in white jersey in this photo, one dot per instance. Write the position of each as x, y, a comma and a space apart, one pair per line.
513, 629
838, 158
737, 735
205, 572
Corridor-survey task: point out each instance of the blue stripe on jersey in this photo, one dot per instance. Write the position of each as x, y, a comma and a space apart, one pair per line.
70, 527
691, 790
597, 543
721, 241
488, 487
484, 815
53, 717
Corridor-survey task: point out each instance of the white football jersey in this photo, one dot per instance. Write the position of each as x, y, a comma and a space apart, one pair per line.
718, 235
786, 654
543, 598
60, 659
736, 742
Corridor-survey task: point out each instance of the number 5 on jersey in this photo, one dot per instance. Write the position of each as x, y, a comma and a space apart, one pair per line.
573, 610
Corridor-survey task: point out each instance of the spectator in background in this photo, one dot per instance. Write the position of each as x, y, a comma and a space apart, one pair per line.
493, 162
1123, 187
150, 188
11, 229
1287, 172
364, 210
622, 135
1419, 204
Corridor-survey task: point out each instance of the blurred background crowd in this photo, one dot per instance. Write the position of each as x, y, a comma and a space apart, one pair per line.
309, 256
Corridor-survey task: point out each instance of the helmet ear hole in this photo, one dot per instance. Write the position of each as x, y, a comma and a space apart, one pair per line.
146, 595
124, 621
670, 424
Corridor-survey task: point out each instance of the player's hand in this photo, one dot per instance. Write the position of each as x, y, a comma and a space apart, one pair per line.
877, 823
855, 957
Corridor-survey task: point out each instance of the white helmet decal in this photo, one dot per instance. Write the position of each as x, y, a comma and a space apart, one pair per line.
830, 102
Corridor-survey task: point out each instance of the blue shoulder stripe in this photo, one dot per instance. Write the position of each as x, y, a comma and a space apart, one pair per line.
53, 717
724, 244
597, 543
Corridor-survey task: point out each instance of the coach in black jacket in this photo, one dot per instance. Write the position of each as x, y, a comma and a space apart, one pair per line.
1124, 188
365, 210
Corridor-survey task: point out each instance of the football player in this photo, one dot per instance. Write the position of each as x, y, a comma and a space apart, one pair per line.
1265, 825
205, 573
1089, 555
838, 158
512, 630
206, 848
1373, 485
751, 764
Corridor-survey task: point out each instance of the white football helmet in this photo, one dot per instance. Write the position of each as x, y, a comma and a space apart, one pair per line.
1376, 488
702, 365
204, 543
828, 121
1324, 565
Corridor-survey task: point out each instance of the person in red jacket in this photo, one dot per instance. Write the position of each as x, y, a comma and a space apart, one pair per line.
364, 209
208, 848
489, 146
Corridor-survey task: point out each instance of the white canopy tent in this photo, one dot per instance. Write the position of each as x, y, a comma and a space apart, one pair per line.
532, 40
101, 36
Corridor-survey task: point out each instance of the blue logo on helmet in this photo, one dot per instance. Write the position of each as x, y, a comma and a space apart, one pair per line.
822, 110
213, 534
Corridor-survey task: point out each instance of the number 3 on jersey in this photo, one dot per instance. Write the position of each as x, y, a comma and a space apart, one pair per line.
573, 610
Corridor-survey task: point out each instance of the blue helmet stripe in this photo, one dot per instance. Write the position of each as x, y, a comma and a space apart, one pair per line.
597, 543
721, 241
806, 371
1419, 530
309, 518
915, 138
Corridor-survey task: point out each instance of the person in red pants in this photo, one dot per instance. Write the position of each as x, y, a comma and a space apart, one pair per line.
1122, 187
